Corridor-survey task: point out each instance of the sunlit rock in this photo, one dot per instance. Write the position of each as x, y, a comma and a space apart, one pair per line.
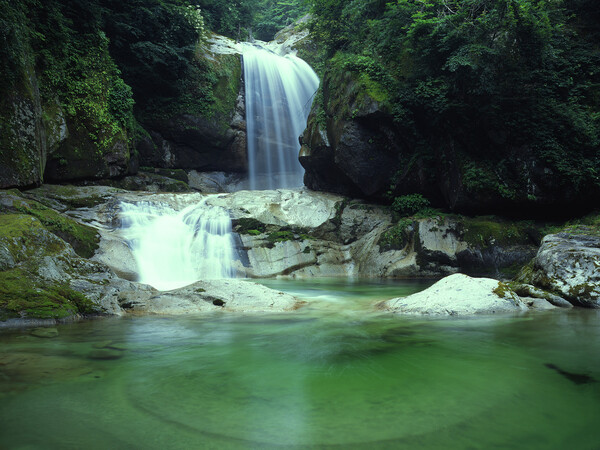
459, 294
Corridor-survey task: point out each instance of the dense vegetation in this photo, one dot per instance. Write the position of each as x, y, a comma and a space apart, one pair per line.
260, 18
496, 80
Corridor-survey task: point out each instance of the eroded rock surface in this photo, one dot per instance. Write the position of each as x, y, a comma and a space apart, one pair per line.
212, 295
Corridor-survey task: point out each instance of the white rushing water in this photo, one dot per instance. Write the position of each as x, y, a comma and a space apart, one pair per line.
279, 91
176, 248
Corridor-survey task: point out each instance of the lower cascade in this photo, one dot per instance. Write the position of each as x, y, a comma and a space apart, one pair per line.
176, 248
279, 92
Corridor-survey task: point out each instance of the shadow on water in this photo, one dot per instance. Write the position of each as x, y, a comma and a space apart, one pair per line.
577, 378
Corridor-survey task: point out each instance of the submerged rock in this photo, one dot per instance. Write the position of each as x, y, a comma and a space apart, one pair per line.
567, 264
459, 294
44, 332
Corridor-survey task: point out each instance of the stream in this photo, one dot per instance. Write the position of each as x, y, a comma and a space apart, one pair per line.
334, 374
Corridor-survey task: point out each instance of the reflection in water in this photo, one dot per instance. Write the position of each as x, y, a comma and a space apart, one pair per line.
335, 374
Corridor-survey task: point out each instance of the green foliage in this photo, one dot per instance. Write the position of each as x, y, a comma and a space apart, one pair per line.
503, 80
485, 231
407, 205
263, 18
248, 225
397, 236
20, 296
14, 43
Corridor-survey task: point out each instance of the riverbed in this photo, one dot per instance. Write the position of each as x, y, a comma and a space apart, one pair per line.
337, 373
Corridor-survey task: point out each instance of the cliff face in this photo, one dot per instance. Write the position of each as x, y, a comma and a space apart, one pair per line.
212, 140
22, 134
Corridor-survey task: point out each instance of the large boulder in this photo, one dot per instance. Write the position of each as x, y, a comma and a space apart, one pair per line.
567, 264
349, 146
209, 140
459, 294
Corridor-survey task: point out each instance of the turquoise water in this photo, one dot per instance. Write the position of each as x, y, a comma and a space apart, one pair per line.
334, 374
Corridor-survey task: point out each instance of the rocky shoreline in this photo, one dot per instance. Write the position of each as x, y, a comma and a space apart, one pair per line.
62, 256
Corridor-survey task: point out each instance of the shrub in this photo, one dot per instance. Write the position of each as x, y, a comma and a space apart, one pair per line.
407, 205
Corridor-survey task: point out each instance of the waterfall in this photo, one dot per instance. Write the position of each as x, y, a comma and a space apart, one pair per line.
279, 91
176, 248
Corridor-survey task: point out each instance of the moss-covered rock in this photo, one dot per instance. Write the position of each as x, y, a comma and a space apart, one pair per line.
22, 139
82, 238
207, 136
349, 145
25, 290
568, 265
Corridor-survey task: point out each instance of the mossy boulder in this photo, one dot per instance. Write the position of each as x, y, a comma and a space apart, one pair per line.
349, 146
568, 265
82, 238
81, 155
202, 137
31, 284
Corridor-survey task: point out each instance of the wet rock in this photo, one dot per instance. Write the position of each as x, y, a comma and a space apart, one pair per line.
459, 294
531, 292
217, 295
567, 265
44, 332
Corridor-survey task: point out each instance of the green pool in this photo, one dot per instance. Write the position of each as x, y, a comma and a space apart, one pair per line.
335, 374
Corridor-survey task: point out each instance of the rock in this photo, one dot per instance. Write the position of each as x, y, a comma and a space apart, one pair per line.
216, 295
77, 157
44, 332
210, 142
23, 147
215, 182
117, 255
531, 292
105, 354
538, 304
459, 294
144, 181
567, 265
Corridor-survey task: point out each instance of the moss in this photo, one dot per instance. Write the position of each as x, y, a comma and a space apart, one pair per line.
82, 238
584, 291
485, 231
502, 290
280, 236
396, 237
248, 225
69, 195
23, 237
21, 296
353, 83
228, 71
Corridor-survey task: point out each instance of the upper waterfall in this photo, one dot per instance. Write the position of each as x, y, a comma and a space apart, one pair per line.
279, 91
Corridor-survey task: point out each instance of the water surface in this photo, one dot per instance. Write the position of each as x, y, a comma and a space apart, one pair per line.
335, 374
